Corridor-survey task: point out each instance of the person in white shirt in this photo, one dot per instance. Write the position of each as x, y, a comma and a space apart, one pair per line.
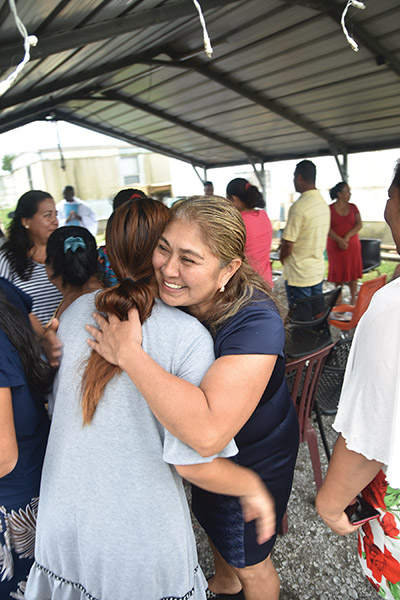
365, 458
73, 211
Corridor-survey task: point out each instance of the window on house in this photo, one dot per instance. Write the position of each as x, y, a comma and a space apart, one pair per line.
129, 169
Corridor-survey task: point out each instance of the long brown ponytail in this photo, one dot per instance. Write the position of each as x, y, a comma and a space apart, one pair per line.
132, 233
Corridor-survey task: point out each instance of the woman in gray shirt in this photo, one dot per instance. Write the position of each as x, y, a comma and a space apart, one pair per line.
113, 519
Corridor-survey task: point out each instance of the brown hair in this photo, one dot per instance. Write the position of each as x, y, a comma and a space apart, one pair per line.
223, 230
132, 233
18, 244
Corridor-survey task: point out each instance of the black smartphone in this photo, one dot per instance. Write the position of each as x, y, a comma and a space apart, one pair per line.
360, 512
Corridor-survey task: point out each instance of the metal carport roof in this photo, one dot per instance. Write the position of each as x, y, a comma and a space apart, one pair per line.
282, 83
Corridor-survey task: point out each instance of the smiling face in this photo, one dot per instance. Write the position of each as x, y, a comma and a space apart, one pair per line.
187, 272
392, 214
43, 222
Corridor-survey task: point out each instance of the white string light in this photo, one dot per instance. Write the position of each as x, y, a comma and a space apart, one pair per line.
207, 42
356, 4
29, 40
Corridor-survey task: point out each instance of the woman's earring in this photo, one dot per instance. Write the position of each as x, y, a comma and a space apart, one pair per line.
222, 289
26, 226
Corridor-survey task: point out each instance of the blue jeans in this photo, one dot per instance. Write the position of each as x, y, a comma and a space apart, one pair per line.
293, 292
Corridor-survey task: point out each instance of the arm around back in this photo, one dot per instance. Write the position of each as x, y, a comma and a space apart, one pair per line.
206, 417
222, 476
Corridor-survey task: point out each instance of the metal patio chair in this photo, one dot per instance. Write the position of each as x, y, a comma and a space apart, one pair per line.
370, 254
308, 324
330, 386
302, 376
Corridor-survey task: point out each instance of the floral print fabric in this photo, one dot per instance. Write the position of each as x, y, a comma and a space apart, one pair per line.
379, 539
17, 544
107, 275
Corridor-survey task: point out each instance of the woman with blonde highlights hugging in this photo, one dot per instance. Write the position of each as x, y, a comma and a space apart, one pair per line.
113, 519
200, 266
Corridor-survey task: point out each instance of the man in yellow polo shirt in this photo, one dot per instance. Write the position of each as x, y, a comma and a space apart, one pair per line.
304, 237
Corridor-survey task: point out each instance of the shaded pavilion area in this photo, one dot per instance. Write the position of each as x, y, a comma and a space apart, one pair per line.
282, 83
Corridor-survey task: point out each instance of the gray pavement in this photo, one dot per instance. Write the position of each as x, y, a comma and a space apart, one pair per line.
313, 563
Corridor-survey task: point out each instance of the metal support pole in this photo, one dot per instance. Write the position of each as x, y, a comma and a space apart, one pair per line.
345, 167
62, 161
198, 174
342, 166
260, 174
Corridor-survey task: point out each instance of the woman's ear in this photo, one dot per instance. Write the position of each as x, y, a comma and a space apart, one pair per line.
231, 269
25, 222
237, 203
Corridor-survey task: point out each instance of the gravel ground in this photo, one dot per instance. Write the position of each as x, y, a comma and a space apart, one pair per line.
312, 562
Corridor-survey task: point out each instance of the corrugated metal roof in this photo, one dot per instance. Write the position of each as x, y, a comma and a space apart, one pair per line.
282, 83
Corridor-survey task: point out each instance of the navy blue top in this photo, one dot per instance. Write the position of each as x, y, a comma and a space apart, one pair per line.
30, 418
267, 442
257, 329
16, 297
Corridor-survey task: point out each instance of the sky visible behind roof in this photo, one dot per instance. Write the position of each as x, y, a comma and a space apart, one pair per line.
42, 135
370, 173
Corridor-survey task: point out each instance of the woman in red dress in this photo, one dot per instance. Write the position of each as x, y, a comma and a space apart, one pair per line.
344, 247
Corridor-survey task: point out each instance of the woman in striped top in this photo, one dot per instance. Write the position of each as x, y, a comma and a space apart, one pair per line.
23, 255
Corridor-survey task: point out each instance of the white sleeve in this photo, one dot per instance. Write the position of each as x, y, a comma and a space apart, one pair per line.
5, 269
176, 452
89, 218
369, 409
60, 213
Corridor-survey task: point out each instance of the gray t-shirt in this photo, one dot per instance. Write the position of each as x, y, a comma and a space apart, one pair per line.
113, 519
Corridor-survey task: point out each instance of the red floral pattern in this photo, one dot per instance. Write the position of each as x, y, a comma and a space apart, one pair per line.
388, 523
375, 492
379, 540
